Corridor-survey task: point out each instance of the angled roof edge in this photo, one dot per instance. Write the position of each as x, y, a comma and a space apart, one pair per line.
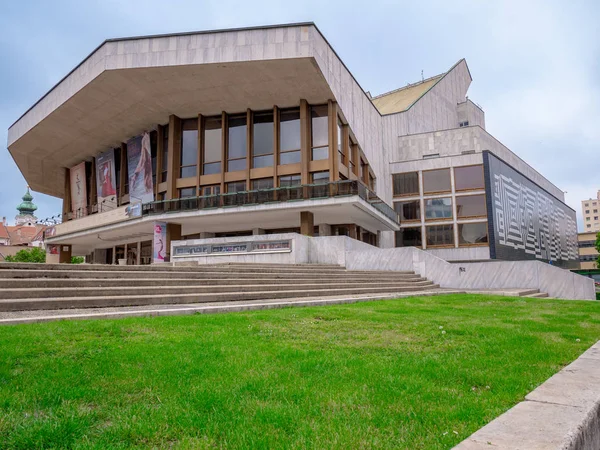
432, 86
154, 36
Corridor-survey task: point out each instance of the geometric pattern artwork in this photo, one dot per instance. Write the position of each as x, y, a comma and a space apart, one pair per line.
528, 221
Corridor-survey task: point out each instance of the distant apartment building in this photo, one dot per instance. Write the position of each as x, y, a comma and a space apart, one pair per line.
588, 255
591, 217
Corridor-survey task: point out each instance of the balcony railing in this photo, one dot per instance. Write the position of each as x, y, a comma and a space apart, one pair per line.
275, 195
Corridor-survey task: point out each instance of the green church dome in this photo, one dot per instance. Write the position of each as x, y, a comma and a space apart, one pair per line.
26, 207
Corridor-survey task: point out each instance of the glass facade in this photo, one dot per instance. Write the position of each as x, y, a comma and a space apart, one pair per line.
440, 235
213, 136
262, 140
290, 180
409, 237
320, 177
410, 210
435, 181
289, 136
468, 178
189, 149
236, 143
405, 183
472, 233
319, 132
262, 183
468, 206
438, 208
235, 186
187, 192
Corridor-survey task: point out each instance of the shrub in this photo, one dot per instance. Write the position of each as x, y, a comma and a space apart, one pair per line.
29, 255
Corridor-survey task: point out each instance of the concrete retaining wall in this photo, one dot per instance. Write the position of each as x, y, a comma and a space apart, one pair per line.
556, 282
563, 413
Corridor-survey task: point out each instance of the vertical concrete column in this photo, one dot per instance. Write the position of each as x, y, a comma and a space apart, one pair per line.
258, 231
352, 232
66, 207
114, 255
138, 257
305, 150
324, 229
174, 156
307, 223
65, 254
125, 253
173, 234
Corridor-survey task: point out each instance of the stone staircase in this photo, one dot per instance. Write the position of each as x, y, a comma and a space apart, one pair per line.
37, 287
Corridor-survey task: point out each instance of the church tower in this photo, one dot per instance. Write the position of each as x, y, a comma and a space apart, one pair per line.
26, 209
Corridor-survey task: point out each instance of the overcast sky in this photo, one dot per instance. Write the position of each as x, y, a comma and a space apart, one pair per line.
535, 63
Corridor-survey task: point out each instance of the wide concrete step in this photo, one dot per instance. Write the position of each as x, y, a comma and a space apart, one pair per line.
43, 273
173, 290
157, 280
176, 268
537, 295
28, 304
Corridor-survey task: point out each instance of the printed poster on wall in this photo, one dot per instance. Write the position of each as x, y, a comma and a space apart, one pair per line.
160, 242
139, 165
78, 190
106, 180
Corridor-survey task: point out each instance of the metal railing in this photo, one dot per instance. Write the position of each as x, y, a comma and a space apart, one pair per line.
275, 195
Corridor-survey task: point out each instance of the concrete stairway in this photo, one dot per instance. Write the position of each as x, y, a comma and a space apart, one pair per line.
31, 287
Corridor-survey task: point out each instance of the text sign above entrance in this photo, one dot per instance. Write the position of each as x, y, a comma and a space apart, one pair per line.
233, 248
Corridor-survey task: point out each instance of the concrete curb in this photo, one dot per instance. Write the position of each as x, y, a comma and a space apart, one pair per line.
214, 309
562, 413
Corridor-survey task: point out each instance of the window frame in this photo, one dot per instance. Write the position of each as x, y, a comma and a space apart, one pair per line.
476, 244
438, 219
412, 194
469, 189
448, 191
452, 245
485, 213
211, 163
244, 158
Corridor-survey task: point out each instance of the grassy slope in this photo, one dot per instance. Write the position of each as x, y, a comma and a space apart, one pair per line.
369, 375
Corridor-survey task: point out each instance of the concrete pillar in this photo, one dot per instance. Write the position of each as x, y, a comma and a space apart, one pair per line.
173, 234
65, 254
307, 223
258, 231
324, 229
138, 256
114, 255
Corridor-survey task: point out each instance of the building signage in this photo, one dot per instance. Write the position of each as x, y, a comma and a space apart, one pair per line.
233, 248
159, 243
106, 180
139, 165
524, 220
78, 190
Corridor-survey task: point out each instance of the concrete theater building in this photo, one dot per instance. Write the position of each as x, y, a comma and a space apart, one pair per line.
220, 142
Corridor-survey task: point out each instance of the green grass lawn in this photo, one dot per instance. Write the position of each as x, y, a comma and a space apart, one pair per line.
370, 375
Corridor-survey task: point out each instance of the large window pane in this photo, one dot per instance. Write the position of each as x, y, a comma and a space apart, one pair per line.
263, 134
468, 177
440, 235
187, 192
409, 237
236, 146
189, 147
471, 206
259, 162
262, 183
289, 180
405, 183
319, 121
236, 186
289, 130
472, 233
290, 157
408, 210
320, 177
436, 181
438, 208
319, 132
212, 145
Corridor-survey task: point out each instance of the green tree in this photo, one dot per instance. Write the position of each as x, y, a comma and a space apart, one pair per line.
29, 255
77, 259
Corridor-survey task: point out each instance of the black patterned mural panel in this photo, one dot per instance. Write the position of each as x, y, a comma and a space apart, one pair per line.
524, 220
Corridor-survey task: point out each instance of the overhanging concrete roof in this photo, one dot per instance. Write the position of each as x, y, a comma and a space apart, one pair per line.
127, 84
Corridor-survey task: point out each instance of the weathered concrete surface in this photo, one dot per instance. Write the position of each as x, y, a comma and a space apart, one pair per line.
563, 413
